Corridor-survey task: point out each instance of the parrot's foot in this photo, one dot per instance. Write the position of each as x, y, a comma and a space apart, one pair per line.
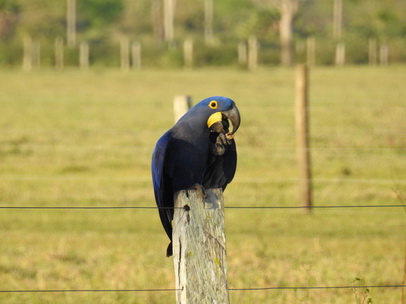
222, 141
199, 188
230, 136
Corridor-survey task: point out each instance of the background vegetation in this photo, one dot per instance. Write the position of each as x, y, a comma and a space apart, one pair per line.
85, 138
103, 22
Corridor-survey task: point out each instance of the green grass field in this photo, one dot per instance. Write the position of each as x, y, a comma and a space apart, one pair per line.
76, 138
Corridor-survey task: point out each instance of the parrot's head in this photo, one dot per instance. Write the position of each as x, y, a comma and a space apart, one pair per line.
215, 114
222, 114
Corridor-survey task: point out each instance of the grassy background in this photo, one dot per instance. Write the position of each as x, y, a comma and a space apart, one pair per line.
85, 139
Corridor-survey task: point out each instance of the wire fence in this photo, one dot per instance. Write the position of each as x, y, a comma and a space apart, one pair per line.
130, 148
248, 289
230, 289
226, 207
400, 285
160, 290
242, 180
284, 150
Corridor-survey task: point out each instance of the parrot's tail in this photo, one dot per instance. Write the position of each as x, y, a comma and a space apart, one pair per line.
169, 251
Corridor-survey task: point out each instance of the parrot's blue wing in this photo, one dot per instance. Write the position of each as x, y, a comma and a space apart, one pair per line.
162, 191
157, 166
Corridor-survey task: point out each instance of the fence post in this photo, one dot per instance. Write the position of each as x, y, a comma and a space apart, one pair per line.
36, 54
71, 22
27, 57
242, 54
384, 55
252, 53
311, 51
199, 247
125, 53
340, 54
84, 55
208, 21
372, 51
302, 137
169, 8
338, 19
136, 55
59, 53
181, 104
188, 53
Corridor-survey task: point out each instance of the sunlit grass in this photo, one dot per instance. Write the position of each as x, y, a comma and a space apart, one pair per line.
85, 139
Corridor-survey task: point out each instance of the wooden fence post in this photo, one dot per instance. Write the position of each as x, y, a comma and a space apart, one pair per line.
302, 137
181, 104
28, 56
84, 55
311, 51
136, 55
59, 53
169, 8
188, 53
287, 9
71, 22
36, 54
199, 247
384, 55
124, 54
372, 51
340, 54
208, 22
242, 54
252, 53
338, 19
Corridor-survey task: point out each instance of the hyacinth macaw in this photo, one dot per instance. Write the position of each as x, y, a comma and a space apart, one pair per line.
198, 149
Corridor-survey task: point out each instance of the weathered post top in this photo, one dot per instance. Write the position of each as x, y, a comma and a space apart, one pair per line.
199, 247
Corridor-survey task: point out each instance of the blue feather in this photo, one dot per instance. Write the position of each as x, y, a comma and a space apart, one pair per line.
186, 155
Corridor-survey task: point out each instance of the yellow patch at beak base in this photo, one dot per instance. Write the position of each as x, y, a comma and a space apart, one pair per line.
216, 117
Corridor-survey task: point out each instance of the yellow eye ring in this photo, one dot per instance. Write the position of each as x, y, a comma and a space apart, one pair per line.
213, 104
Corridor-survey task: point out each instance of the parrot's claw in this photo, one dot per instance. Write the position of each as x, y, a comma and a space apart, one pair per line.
230, 136
199, 188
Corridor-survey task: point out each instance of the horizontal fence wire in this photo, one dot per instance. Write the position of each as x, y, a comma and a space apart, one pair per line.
226, 207
230, 289
249, 289
147, 179
87, 290
149, 148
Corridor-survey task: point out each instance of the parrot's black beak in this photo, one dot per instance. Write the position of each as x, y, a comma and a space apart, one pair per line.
233, 116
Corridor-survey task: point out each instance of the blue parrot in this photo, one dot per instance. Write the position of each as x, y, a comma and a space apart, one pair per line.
198, 149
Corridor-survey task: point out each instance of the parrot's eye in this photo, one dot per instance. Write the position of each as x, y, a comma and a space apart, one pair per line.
213, 104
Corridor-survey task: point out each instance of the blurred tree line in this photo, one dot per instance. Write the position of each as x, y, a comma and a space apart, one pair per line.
102, 23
